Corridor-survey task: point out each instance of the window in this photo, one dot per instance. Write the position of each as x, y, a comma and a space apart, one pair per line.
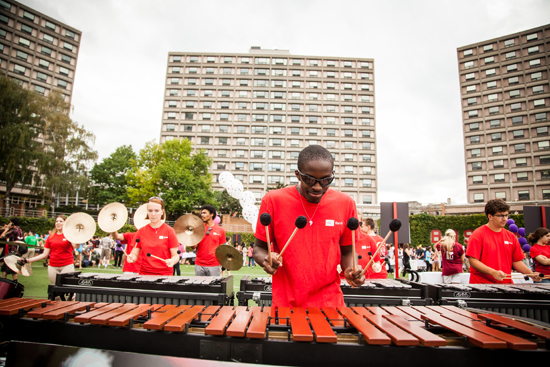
65, 58
25, 28
222, 141
494, 124
349, 158
294, 143
28, 15
276, 167
521, 162
41, 77
239, 166
532, 37
469, 52
523, 195
475, 152
224, 116
170, 127
493, 110
512, 67
245, 60
509, 43
277, 130
69, 47
478, 198
538, 89
257, 142
539, 103
534, 63
206, 116
5, 5
239, 153
540, 116
22, 55
295, 118
256, 179
192, 70
69, 34
472, 114
519, 148
546, 194
490, 72
295, 131
172, 103
470, 76
492, 97
542, 130
19, 69
40, 90
545, 175
349, 182
533, 50
366, 146
312, 131
276, 142
497, 150
515, 93
331, 144
499, 163
543, 145
189, 116
477, 179
4, 19
312, 119
24, 42
468, 65
475, 139
513, 80
517, 120
210, 70
518, 134
496, 136
487, 60
367, 199
491, 85
499, 177
476, 166
331, 120
207, 104
187, 128
536, 76
472, 101
515, 106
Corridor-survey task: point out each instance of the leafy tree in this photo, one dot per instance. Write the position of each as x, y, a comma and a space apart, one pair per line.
109, 176
20, 124
63, 166
227, 204
174, 171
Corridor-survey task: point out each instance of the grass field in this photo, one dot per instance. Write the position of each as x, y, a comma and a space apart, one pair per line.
36, 286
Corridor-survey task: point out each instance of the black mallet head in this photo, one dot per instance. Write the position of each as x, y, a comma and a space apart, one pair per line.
370, 253
137, 240
179, 252
526, 277
149, 254
353, 224
359, 257
395, 225
265, 219
301, 222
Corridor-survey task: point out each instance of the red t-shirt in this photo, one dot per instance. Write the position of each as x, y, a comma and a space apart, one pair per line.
130, 241
158, 242
206, 249
364, 244
451, 261
497, 250
537, 250
381, 255
61, 250
308, 277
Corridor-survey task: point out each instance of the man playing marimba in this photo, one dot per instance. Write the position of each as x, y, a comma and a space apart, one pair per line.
309, 276
493, 251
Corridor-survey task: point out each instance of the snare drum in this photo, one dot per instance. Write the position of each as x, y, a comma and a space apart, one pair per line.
9, 289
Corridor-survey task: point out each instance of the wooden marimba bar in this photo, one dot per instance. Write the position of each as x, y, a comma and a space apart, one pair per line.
299, 336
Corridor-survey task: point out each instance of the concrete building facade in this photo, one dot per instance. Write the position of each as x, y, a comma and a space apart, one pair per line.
254, 113
505, 97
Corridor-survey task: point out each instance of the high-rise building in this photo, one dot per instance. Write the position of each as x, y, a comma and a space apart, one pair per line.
255, 112
505, 99
37, 50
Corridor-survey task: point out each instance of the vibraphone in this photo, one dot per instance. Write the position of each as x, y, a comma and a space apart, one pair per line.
375, 292
301, 336
151, 289
526, 300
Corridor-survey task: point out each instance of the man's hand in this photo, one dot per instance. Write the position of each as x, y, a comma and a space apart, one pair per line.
131, 258
536, 277
353, 277
276, 263
498, 275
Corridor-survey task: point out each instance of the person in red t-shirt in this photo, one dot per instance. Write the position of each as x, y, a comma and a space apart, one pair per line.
206, 263
129, 239
540, 251
452, 257
379, 270
494, 251
309, 276
158, 239
60, 251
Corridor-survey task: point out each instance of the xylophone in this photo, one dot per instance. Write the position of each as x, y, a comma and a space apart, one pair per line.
126, 288
375, 292
526, 300
310, 336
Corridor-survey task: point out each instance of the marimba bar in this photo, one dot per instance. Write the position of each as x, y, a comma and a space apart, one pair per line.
139, 289
310, 336
375, 292
525, 300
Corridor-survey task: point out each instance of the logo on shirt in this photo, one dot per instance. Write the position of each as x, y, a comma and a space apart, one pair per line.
64, 239
329, 223
507, 242
215, 233
163, 237
339, 223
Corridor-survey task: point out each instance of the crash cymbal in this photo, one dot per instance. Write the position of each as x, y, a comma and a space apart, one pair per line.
11, 262
79, 228
17, 243
229, 257
189, 230
140, 216
112, 217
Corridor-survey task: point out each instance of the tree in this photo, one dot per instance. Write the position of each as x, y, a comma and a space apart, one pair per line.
63, 166
109, 176
20, 124
176, 172
226, 203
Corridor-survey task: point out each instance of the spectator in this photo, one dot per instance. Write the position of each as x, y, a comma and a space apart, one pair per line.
177, 270
106, 244
250, 256
428, 258
119, 252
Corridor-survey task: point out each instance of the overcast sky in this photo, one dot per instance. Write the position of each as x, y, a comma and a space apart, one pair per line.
120, 76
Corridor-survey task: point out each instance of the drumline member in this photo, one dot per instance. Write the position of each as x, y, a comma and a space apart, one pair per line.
129, 239
309, 276
60, 251
540, 251
379, 260
158, 239
206, 263
452, 257
493, 250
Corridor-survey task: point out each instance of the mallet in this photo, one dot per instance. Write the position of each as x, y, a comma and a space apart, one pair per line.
300, 223
353, 224
265, 220
394, 227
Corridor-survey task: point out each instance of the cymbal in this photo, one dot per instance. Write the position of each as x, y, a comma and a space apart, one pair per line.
112, 217
17, 243
139, 217
229, 257
11, 262
189, 230
79, 228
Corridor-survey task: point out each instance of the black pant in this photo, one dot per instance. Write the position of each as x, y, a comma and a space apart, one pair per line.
177, 269
118, 258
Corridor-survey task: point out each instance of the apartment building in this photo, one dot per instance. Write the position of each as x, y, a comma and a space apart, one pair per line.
255, 112
37, 50
505, 100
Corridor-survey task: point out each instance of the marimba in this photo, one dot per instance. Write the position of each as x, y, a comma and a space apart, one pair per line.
374, 292
310, 336
138, 289
526, 300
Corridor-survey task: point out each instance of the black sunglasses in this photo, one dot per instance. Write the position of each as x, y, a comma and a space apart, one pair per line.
208, 231
311, 181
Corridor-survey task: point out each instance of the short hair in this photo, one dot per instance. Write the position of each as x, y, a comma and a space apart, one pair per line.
314, 153
496, 206
210, 209
15, 221
537, 235
227, 238
370, 222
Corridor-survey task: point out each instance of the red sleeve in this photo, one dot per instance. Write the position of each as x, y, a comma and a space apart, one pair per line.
535, 251
518, 252
222, 237
265, 207
460, 249
138, 235
172, 239
48, 240
474, 245
437, 247
345, 239
128, 237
